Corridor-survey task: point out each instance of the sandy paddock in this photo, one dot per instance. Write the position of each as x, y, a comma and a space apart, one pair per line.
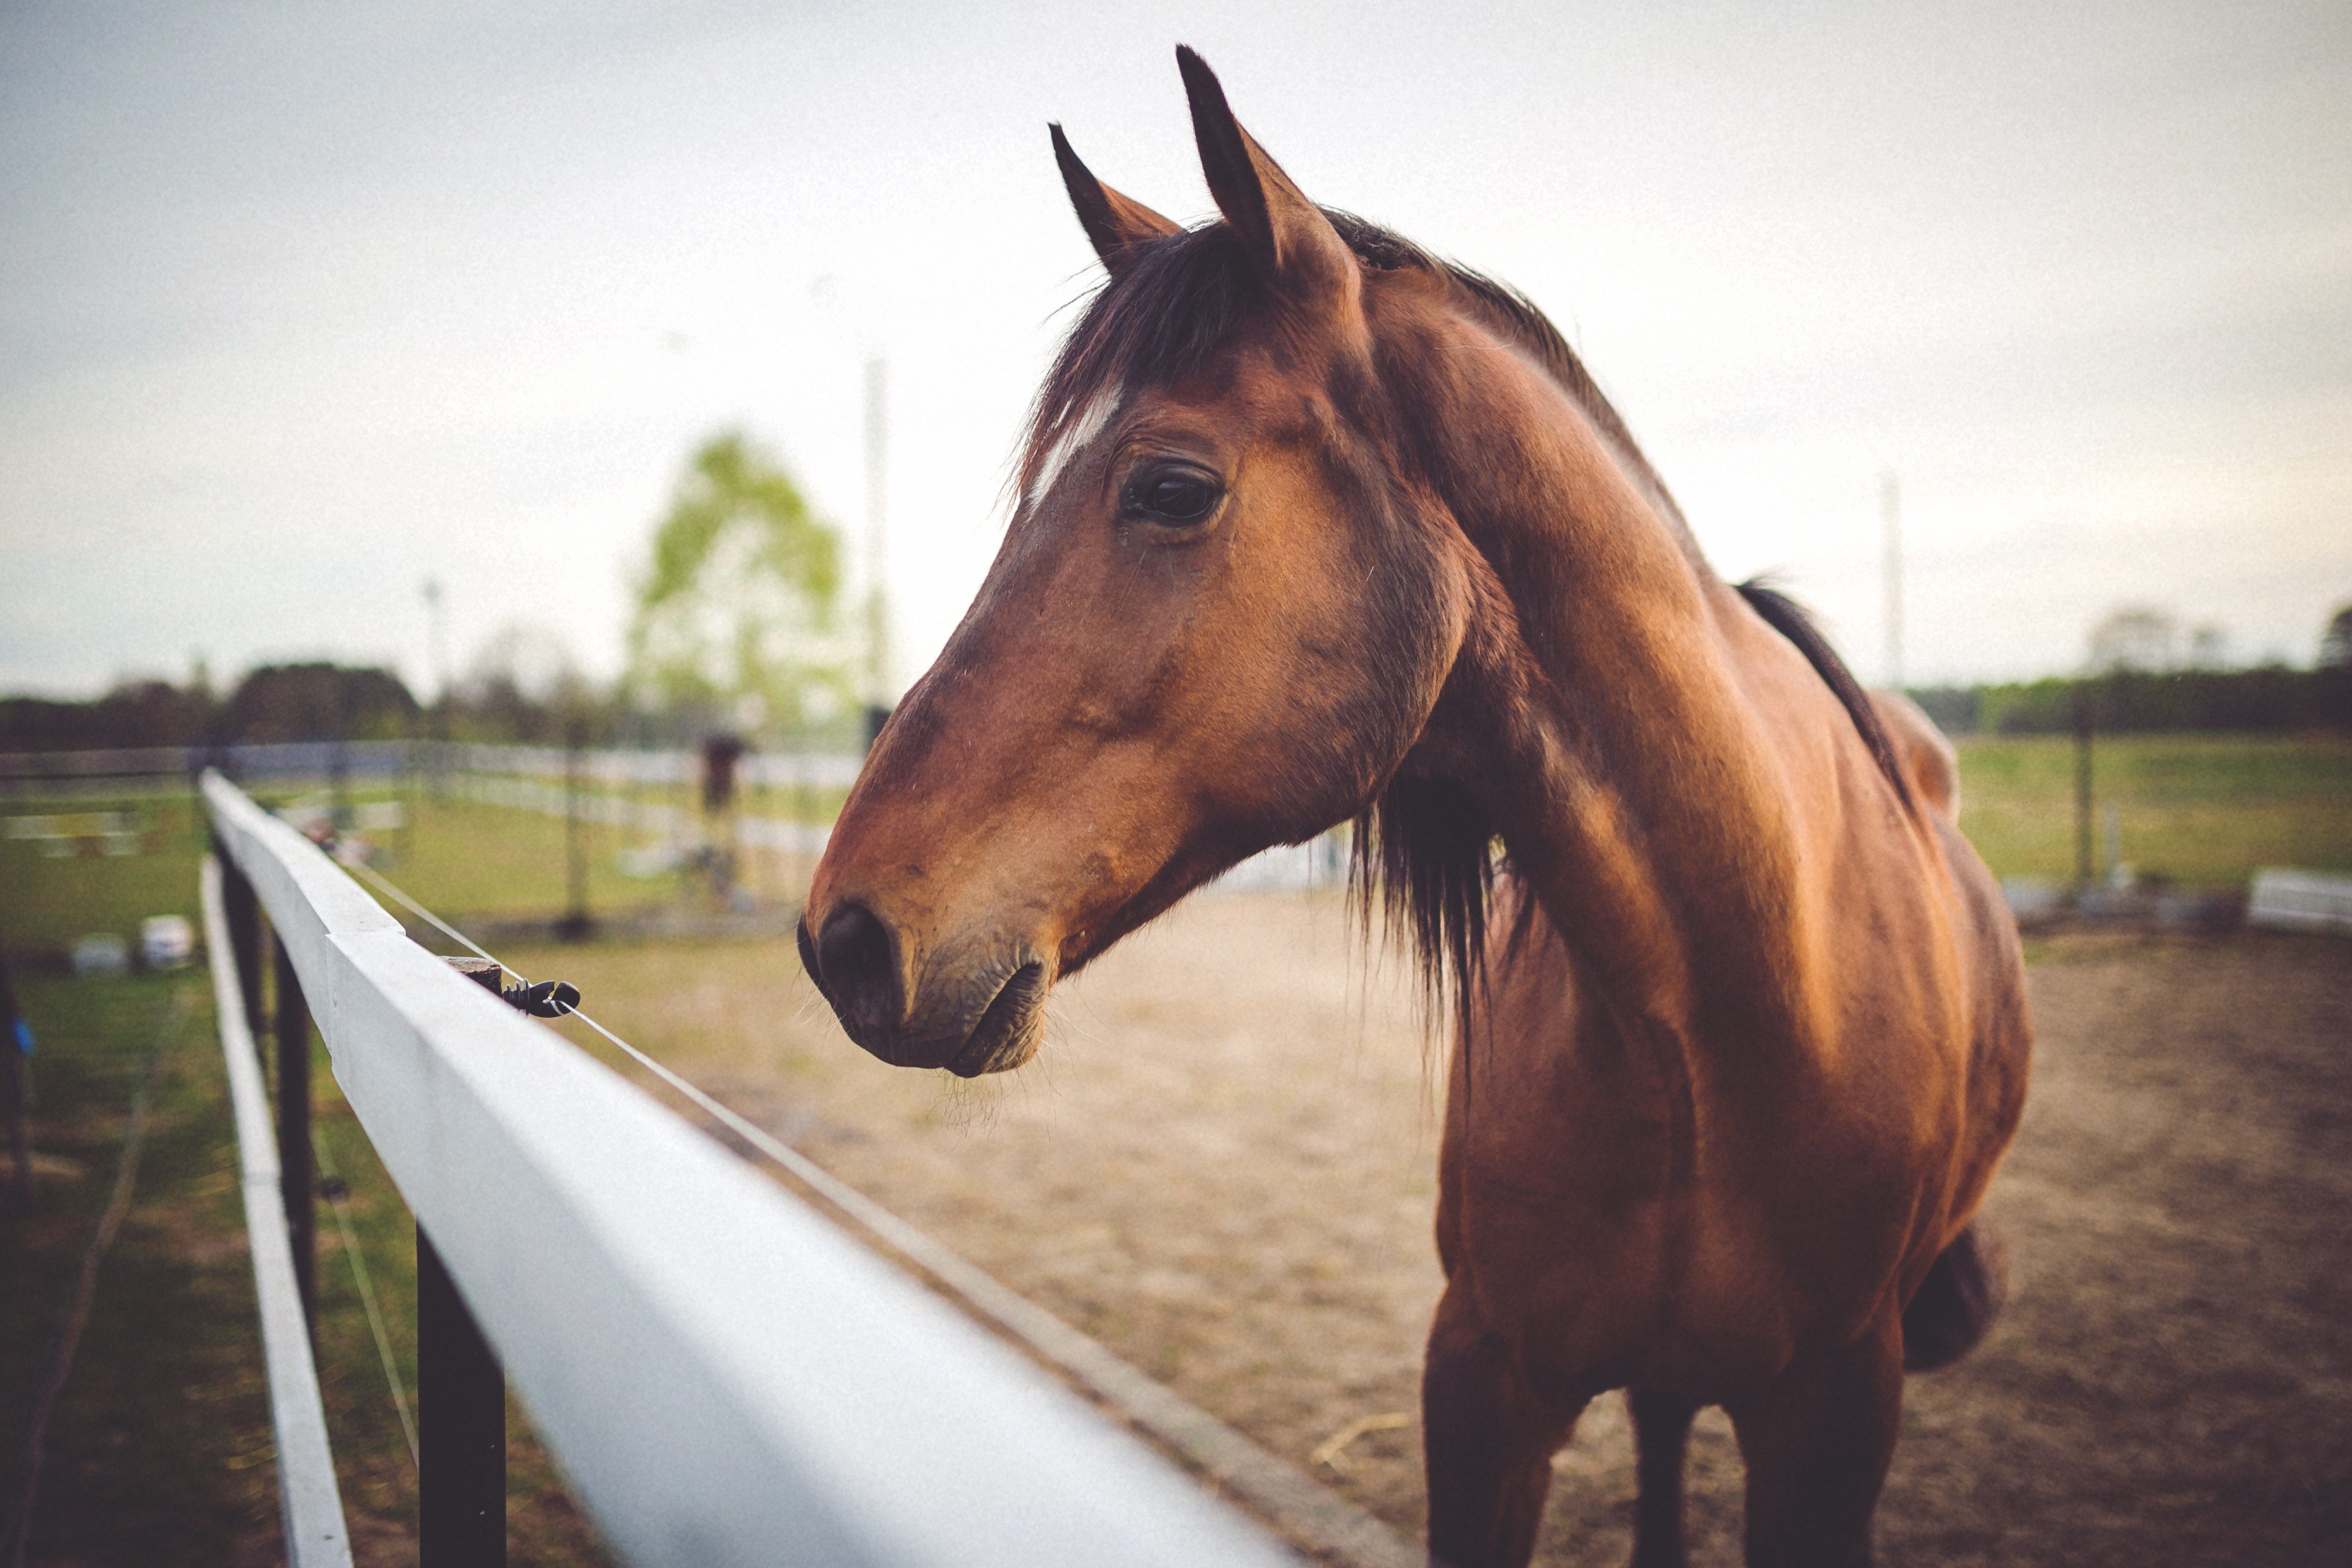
1222, 1167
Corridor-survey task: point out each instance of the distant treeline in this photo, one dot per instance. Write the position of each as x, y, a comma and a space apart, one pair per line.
326, 701
275, 703
319, 701
2269, 698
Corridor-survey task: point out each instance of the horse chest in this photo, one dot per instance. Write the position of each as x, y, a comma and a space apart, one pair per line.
1616, 1230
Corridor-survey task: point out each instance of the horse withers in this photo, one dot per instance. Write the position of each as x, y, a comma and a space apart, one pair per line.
1313, 527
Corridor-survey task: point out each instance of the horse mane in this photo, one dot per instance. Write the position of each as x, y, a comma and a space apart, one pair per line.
1422, 849
1793, 621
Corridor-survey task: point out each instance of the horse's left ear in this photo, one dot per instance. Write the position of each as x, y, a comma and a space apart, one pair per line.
1120, 226
1287, 233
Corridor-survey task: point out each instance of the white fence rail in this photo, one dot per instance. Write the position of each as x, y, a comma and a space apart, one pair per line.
611, 767
309, 1503
645, 817
517, 778
724, 1377
2289, 900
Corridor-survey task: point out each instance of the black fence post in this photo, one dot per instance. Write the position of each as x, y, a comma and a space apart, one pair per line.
2085, 865
244, 916
16, 1047
296, 1184
461, 1398
577, 925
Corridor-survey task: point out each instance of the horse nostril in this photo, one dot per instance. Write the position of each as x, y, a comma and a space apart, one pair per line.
857, 968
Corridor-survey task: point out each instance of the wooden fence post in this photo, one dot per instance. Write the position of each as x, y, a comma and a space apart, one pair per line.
461, 1399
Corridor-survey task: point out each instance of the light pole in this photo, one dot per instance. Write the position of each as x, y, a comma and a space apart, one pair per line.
436, 637
877, 607
1890, 507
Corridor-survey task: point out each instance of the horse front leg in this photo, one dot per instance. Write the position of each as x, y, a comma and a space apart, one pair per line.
1662, 1424
1486, 1444
1817, 1443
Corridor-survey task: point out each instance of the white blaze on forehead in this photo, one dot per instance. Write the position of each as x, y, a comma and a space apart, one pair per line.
1073, 440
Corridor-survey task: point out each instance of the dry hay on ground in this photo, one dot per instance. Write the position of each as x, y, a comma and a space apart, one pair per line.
1222, 1167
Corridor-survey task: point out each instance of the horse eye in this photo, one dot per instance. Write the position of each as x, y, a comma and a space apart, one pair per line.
1173, 497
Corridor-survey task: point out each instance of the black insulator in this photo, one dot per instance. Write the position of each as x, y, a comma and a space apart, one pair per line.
548, 999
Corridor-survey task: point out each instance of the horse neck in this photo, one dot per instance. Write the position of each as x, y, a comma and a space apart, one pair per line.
1604, 721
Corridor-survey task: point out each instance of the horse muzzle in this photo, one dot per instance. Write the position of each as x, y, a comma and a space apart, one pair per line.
971, 1008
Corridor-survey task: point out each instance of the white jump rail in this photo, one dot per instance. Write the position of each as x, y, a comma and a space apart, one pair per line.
1321, 862
639, 815
724, 1377
308, 1498
672, 765
2289, 900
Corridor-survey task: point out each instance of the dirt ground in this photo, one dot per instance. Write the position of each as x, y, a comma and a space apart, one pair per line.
1222, 1167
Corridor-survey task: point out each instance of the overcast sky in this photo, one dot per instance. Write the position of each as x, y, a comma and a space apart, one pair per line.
300, 305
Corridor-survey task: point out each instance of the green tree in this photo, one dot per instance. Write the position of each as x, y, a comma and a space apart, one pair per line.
2335, 673
319, 701
2336, 642
735, 609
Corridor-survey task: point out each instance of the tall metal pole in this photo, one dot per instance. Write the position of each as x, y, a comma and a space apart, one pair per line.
338, 760
437, 636
877, 608
1890, 507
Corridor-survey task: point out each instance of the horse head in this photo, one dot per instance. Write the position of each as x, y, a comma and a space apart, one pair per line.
1221, 617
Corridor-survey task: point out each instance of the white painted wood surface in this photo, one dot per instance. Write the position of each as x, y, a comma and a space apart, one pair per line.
309, 1501
2289, 900
724, 1377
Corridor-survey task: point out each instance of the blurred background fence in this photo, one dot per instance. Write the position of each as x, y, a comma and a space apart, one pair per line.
540, 842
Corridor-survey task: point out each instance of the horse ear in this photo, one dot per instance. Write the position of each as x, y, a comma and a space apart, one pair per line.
1287, 233
1118, 225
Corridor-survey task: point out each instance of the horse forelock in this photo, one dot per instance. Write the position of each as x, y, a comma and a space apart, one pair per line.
1174, 304
1180, 301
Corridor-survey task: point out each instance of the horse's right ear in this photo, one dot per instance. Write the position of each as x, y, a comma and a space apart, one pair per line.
1119, 227
1288, 234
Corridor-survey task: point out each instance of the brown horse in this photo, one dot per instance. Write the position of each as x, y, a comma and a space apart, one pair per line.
1312, 526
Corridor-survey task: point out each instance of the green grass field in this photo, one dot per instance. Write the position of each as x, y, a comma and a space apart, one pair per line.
45, 903
2199, 810
465, 860
159, 1451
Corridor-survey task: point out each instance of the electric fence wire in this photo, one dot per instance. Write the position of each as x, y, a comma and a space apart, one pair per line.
384, 885
1329, 1526
338, 1199
880, 1222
